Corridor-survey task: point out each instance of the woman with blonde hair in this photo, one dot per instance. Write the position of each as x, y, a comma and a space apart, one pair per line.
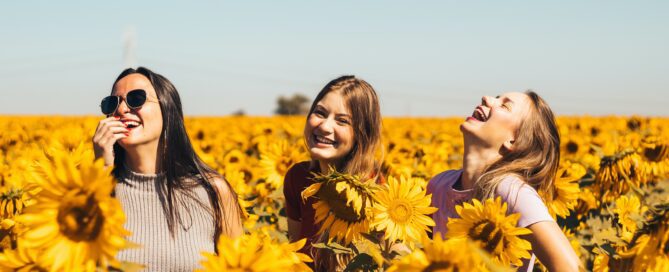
512, 151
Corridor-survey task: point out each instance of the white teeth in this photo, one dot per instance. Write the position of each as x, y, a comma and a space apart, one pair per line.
132, 123
479, 115
321, 139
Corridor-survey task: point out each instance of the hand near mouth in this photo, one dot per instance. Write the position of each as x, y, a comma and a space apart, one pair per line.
108, 132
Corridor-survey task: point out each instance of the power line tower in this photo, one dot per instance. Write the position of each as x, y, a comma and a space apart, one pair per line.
129, 47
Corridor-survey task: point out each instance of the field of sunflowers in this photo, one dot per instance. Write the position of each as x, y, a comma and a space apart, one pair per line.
57, 211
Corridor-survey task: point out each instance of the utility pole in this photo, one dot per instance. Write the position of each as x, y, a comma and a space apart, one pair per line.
129, 47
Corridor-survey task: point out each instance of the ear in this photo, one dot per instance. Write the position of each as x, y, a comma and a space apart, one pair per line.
508, 145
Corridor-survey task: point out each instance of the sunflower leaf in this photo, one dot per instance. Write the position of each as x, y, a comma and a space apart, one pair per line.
362, 262
334, 247
371, 237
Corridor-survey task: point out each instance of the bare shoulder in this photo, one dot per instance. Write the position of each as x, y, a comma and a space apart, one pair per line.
222, 186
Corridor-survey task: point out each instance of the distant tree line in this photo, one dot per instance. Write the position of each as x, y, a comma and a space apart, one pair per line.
298, 104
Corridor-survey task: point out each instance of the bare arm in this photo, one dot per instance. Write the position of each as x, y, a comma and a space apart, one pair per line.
232, 217
552, 247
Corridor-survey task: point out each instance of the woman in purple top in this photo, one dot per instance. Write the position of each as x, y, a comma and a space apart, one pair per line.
511, 150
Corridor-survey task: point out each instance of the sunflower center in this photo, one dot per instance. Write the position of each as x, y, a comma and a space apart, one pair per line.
80, 217
400, 211
337, 202
572, 147
656, 154
634, 124
488, 233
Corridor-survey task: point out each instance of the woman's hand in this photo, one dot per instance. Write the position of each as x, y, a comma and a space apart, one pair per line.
552, 247
109, 131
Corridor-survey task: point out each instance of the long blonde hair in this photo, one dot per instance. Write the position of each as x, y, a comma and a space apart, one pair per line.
534, 158
363, 104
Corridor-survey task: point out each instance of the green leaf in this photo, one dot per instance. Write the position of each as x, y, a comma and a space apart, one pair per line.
334, 247
362, 262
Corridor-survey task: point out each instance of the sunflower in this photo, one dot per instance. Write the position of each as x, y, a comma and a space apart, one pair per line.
565, 190
276, 159
601, 262
654, 242
21, 259
655, 152
660, 264
622, 260
74, 220
237, 182
256, 253
234, 158
573, 146
626, 208
445, 255
343, 206
586, 202
497, 233
617, 174
401, 210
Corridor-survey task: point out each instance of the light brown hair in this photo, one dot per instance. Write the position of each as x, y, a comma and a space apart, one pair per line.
362, 160
363, 104
535, 157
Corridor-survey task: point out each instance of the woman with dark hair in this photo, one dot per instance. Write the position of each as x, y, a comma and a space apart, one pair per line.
176, 206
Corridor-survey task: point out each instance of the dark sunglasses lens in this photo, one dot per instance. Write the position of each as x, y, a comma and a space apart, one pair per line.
136, 98
109, 104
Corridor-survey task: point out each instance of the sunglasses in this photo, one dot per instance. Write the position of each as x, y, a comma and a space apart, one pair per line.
134, 99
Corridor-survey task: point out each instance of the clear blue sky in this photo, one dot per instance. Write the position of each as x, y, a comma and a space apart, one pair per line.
425, 58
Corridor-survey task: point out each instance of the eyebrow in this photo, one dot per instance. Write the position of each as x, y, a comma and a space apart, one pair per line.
320, 107
505, 99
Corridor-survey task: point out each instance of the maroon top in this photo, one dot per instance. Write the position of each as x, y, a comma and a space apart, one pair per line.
298, 178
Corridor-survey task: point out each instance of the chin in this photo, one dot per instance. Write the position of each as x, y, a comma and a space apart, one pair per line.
125, 142
323, 156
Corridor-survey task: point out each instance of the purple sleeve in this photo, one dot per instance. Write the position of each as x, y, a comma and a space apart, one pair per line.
522, 198
436, 189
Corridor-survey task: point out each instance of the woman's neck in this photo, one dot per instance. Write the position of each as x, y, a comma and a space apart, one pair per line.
142, 159
474, 162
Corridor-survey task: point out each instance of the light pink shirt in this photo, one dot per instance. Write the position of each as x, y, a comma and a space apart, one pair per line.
520, 198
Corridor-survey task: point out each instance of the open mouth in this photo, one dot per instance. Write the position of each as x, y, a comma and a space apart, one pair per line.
130, 124
323, 140
480, 115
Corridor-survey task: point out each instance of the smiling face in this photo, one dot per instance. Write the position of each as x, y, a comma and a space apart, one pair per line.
329, 131
496, 120
146, 122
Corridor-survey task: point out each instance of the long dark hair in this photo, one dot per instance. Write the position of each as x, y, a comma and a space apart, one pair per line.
183, 168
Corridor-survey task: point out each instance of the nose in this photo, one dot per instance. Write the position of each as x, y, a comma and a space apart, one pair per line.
486, 101
122, 107
326, 126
